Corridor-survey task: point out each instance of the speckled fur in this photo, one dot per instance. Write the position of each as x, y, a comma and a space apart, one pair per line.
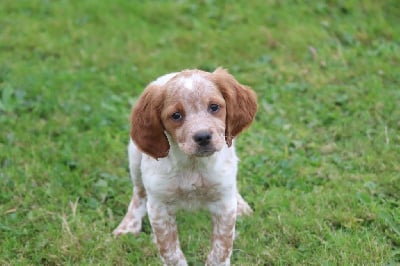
171, 171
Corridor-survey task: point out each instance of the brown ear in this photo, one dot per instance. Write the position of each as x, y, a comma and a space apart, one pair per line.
147, 130
241, 103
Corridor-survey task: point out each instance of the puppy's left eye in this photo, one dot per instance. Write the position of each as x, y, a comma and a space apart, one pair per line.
213, 108
177, 116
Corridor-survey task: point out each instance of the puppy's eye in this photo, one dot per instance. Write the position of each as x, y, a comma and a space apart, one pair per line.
177, 116
213, 108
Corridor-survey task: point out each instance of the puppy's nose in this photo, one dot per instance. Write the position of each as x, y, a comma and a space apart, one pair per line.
202, 138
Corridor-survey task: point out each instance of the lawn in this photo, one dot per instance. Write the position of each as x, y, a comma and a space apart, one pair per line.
320, 165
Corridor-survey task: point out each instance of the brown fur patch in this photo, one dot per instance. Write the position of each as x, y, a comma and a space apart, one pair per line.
241, 103
146, 128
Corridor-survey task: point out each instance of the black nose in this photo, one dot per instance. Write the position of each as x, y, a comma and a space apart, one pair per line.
202, 138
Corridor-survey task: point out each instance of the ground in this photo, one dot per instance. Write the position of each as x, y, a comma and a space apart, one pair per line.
320, 165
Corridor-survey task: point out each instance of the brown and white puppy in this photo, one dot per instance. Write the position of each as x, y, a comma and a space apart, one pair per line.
181, 155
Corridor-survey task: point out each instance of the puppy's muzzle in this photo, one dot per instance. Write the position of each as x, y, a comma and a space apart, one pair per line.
203, 139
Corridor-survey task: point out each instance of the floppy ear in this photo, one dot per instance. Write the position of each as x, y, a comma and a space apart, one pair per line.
241, 103
147, 130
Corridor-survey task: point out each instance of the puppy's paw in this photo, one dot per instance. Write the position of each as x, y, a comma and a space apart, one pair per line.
128, 226
243, 207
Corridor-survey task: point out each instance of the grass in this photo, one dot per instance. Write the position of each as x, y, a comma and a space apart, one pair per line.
320, 165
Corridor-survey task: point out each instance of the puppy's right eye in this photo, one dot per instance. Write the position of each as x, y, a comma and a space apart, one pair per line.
213, 108
177, 116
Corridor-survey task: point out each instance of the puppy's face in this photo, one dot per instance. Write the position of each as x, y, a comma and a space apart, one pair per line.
194, 113
201, 111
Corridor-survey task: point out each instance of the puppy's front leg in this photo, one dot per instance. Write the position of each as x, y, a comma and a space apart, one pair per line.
165, 231
223, 231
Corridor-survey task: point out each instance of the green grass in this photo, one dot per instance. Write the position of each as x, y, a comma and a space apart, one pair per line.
320, 165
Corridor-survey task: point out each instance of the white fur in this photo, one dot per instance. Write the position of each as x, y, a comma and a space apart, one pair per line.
189, 182
163, 79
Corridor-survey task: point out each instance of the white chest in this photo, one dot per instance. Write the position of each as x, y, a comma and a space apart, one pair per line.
188, 186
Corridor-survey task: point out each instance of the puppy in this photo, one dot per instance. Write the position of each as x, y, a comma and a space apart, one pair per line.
182, 156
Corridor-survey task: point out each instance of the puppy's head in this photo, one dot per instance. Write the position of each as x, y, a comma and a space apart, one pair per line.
201, 112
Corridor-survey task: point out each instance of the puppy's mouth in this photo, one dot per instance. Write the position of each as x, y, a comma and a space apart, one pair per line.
204, 152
